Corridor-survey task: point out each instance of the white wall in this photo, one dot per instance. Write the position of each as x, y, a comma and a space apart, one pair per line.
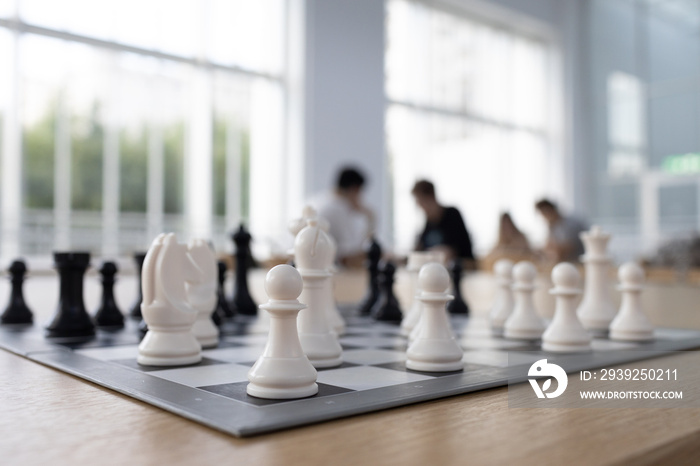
345, 96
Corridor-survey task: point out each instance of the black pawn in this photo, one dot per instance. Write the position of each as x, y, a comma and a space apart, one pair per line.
71, 319
242, 302
17, 311
387, 309
457, 305
136, 307
374, 255
109, 315
223, 309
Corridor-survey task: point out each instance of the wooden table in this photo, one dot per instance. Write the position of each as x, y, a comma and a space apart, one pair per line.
48, 417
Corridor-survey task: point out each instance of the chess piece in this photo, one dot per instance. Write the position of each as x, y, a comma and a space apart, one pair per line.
202, 293
524, 323
335, 320
596, 310
223, 309
566, 334
312, 251
434, 348
416, 260
71, 319
631, 324
283, 371
387, 308
136, 308
17, 311
165, 308
457, 305
242, 303
108, 315
374, 255
503, 304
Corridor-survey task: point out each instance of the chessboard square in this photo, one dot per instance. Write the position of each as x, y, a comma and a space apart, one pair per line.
516, 358
259, 339
205, 375
609, 345
372, 341
368, 377
237, 354
111, 353
675, 333
486, 358
490, 343
238, 391
369, 357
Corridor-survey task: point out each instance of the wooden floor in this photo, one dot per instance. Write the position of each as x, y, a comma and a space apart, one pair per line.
47, 417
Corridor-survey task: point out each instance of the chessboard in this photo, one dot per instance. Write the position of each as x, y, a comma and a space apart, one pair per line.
372, 377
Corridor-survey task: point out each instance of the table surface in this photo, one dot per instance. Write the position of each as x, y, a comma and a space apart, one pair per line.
48, 417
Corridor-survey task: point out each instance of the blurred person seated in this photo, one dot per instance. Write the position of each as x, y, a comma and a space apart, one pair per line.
351, 222
564, 239
444, 229
512, 244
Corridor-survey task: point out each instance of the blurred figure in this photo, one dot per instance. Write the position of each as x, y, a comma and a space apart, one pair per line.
512, 244
444, 228
564, 241
351, 221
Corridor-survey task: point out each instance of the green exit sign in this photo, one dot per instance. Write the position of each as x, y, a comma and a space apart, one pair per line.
682, 163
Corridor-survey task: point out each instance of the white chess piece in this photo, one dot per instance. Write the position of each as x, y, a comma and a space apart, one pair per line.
202, 294
335, 319
435, 348
312, 250
504, 302
416, 260
524, 323
631, 324
566, 334
283, 371
596, 310
165, 308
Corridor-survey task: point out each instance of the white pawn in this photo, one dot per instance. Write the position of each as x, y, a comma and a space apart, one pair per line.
504, 303
631, 324
202, 294
312, 250
566, 334
524, 323
283, 371
416, 260
165, 308
434, 349
596, 310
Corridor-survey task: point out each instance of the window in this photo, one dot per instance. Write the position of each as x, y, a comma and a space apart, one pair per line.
113, 134
468, 109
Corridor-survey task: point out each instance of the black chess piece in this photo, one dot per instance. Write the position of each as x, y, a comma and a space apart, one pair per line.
374, 255
242, 302
223, 309
457, 305
17, 311
71, 319
387, 308
136, 307
109, 315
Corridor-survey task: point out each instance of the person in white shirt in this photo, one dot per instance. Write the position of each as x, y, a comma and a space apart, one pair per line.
351, 222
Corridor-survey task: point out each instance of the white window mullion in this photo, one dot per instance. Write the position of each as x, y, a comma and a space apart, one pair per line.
11, 186
62, 175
